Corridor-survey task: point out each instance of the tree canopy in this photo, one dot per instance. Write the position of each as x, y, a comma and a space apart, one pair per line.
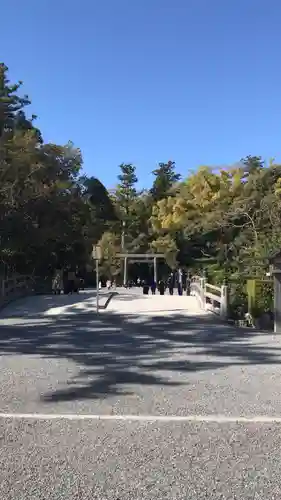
228, 220
50, 215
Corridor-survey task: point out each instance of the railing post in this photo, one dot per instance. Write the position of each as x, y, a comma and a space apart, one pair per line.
202, 291
224, 301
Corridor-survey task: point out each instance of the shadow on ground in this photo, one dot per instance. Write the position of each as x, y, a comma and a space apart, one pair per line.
113, 351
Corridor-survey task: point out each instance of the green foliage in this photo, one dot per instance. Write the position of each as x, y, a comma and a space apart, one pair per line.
165, 179
126, 199
238, 300
252, 165
110, 264
10, 102
49, 216
126, 191
226, 221
260, 296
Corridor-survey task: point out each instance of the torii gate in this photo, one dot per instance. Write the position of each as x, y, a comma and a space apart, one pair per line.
140, 257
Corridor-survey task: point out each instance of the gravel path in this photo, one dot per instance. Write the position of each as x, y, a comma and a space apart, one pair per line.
139, 461
135, 359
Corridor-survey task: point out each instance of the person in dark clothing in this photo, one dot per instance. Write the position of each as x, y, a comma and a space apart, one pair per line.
65, 282
153, 287
71, 280
145, 289
170, 284
188, 284
184, 281
179, 281
161, 287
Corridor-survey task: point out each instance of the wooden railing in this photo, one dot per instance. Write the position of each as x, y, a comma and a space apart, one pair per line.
210, 297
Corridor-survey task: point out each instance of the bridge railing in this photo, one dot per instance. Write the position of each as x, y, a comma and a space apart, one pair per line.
210, 297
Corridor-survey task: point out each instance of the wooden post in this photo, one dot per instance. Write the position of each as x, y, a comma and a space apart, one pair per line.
224, 301
202, 290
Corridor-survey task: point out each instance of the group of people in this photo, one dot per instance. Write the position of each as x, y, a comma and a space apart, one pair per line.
177, 279
70, 281
67, 280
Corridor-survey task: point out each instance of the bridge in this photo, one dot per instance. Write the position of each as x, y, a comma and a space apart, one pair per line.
208, 297
154, 393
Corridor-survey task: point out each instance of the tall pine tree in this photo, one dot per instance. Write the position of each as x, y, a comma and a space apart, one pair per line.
165, 178
126, 195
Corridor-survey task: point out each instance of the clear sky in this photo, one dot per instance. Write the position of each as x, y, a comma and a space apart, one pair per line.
146, 81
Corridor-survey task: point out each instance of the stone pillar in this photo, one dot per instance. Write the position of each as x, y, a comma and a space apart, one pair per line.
155, 269
202, 291
224, 301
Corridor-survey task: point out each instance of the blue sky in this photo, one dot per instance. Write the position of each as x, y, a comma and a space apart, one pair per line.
146, 81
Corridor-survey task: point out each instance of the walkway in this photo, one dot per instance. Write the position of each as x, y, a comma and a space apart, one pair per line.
182, 382
132, 301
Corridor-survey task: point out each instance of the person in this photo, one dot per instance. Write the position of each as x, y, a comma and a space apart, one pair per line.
108, 284
188, 284
161, 287
184, 280
153, 287
65, 281
80, 278
145, 289
57, 283
170, 284
139, 282
99, 285
179, 280
71, 281
82, 283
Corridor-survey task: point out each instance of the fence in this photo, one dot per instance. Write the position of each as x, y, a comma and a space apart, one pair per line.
16, 286
210, 297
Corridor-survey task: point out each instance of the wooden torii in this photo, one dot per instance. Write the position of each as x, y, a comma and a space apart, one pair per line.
140, 257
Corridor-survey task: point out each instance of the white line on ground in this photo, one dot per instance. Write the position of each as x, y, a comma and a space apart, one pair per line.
220, 419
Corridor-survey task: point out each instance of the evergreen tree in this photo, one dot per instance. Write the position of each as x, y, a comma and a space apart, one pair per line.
10, 102
126, 196
165, 178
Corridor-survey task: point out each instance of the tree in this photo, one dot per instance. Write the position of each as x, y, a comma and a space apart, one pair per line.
10, 102
99, 199
252, 164
165, 178
48, 217
166, 244
126, 191
110, 264
51, 215
125, 197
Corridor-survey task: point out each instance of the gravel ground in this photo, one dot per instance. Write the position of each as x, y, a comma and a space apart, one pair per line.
143, 362
62, 460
